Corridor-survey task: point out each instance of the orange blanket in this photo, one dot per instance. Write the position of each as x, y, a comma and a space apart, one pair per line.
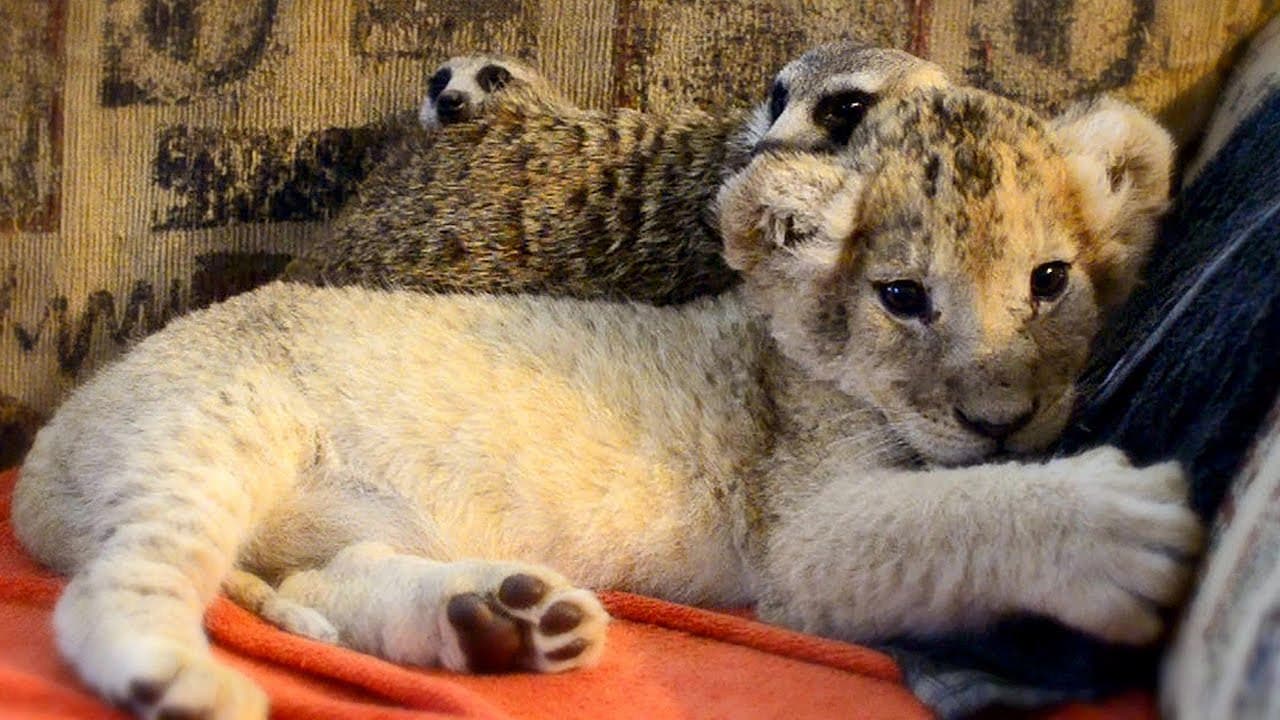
663, 661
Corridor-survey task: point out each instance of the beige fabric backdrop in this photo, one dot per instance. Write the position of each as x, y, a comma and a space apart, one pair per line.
161, 154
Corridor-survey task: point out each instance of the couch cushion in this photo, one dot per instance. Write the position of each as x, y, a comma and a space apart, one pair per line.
1225, 661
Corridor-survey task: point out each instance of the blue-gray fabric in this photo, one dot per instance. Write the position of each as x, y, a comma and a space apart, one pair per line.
1188, 369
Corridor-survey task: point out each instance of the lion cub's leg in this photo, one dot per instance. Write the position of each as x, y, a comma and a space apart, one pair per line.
468, 616
1089, 540
254, 594
130, 620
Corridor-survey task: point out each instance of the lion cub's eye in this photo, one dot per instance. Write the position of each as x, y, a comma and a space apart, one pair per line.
904, 298
1049, 280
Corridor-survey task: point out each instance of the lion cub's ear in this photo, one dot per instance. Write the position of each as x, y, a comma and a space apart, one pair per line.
796, 206
1123, 160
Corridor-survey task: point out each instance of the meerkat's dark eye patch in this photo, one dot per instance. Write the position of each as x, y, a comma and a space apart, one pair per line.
492, 78
839, 113
438, 83
777, 100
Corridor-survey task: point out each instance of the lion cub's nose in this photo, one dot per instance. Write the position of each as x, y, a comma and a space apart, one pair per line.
994, 428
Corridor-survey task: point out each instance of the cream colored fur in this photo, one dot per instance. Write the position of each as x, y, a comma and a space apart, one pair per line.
379, 454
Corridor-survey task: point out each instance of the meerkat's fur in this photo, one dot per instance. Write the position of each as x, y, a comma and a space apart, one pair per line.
817, 100
459, 89
408, 467
525, 200
532, 195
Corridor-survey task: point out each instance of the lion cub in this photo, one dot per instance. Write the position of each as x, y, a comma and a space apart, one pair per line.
819, 441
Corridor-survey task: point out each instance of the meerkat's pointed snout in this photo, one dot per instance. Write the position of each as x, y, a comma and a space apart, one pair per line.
451, 106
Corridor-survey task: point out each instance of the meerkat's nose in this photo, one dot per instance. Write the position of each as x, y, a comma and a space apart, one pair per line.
451, 106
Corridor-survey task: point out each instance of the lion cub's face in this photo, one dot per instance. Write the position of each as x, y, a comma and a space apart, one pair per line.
953, 267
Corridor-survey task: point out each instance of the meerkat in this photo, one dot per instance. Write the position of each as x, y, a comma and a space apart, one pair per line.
439, 479
458, 89
532, 195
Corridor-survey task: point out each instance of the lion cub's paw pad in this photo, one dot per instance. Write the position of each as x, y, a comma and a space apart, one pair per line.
528, 624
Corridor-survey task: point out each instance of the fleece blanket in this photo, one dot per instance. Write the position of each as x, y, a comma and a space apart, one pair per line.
664, 661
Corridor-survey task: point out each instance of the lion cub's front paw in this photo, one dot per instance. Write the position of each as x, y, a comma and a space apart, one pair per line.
522, 618
158, 678
1128, 548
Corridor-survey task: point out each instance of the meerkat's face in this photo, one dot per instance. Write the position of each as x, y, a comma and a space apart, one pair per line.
952, 267
817, 100
460, 87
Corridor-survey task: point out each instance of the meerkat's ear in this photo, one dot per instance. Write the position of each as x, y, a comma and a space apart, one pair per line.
794, 206
1123, 160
